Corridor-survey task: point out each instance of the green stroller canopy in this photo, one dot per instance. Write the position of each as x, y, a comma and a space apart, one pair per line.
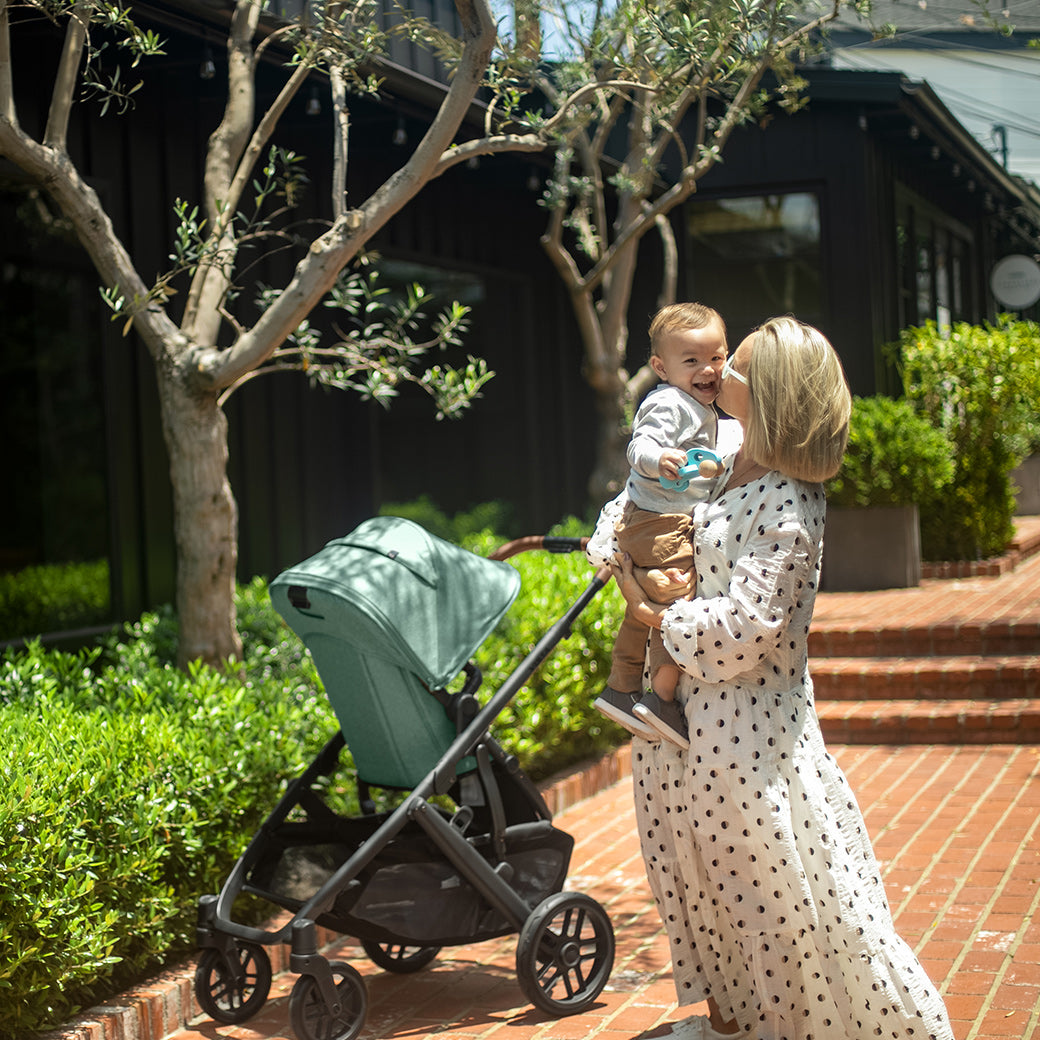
403, 595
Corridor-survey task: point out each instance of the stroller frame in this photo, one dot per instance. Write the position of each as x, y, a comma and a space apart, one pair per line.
566, 944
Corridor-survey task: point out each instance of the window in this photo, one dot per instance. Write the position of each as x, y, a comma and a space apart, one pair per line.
933, 257
755, 256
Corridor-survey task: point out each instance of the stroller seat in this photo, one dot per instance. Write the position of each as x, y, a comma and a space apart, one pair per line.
390, 613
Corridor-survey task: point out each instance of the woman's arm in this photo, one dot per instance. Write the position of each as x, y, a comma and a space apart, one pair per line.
644, 610
721, 637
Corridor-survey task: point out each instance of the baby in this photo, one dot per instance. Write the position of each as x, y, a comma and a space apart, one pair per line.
687, 351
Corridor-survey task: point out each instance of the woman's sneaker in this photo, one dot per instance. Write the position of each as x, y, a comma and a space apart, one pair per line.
618, 706
664, 717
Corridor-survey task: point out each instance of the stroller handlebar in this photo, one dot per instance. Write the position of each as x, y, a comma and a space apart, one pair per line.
548, 543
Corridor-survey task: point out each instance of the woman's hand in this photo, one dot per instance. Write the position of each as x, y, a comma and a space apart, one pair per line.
639, 606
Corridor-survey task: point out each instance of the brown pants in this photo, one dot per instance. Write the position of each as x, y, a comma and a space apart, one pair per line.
654, 541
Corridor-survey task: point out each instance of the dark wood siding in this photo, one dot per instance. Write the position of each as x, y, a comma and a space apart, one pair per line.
307, 465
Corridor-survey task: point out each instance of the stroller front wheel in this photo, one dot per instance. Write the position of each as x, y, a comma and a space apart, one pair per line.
397, 957
231, 993
310, 1016
565, 953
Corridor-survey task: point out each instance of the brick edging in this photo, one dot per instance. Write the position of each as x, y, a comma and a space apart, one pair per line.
1021, 547
165, 1004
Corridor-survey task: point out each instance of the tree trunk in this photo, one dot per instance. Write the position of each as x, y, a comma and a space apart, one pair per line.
205, 520
610, 472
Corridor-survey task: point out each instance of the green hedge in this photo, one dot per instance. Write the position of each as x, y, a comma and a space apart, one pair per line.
129, 788
54, 597
551, 723
979, 385
895, 457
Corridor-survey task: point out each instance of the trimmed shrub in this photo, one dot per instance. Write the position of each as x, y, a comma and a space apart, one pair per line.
53, 597
551, 724
895, 457
979, 385
130, 788
470, 523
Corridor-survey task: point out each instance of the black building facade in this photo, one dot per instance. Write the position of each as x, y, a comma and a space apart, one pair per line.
868, 210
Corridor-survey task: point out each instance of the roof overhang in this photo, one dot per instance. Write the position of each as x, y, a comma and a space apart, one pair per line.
910, 117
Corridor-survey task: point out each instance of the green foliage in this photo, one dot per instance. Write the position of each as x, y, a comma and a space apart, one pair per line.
980, 385
128, 789
54, 597
550, 723
895, 457
384, 338
487, 519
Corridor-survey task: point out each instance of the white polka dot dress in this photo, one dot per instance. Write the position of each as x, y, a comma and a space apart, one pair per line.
755, 848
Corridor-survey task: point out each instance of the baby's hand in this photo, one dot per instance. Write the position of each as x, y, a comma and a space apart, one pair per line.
670, 462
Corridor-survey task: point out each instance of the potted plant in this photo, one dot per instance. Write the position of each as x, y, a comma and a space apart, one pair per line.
896, 462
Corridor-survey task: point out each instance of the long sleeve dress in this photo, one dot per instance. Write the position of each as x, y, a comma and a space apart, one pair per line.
755, 848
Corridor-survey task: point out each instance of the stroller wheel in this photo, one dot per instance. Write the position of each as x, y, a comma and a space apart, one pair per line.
565, 953
231, 996
397, 957
311, 1017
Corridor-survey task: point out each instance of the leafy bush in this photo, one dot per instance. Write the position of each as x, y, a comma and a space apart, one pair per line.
485, 517
128, 789
979, 385
550, 723
52, 597
895, 457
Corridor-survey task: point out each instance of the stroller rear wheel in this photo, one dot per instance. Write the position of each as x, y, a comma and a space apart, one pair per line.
565, 953
231, 993
311, 1017
397, 957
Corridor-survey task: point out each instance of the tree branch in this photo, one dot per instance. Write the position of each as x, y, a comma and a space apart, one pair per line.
317, 271
7, 110
210, 281
340, 142
80, 204
65, 81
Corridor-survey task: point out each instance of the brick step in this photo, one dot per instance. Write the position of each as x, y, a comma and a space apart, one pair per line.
931, 722
957, 639
992, 678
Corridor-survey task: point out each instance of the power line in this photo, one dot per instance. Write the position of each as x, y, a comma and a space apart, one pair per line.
993, 112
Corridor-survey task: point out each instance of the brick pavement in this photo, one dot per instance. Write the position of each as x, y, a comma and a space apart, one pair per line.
955, 829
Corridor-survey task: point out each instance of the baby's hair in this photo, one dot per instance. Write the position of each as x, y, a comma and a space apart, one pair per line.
677, 317
798, 420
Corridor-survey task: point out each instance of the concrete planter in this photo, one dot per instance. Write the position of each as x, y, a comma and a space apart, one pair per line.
874, 548
1026, 482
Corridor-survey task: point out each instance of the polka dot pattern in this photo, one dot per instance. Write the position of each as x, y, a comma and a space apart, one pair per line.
755, 848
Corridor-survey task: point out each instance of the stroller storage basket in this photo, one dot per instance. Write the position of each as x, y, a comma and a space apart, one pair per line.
409, 893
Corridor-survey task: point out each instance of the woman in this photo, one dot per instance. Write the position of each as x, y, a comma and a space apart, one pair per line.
754, 845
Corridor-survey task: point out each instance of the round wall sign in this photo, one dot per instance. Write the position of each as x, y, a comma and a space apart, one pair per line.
1015, 281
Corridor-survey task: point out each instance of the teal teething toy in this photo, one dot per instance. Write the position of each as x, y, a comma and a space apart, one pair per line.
696, 458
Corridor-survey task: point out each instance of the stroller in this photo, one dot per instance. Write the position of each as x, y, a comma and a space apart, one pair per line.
391, 615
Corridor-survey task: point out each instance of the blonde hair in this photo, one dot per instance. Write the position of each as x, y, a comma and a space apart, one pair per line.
799, 401
677, 317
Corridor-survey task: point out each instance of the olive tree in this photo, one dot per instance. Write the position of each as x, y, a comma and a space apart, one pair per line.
655, 89
200, 348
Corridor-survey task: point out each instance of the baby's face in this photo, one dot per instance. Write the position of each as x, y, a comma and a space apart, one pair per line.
691, 359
